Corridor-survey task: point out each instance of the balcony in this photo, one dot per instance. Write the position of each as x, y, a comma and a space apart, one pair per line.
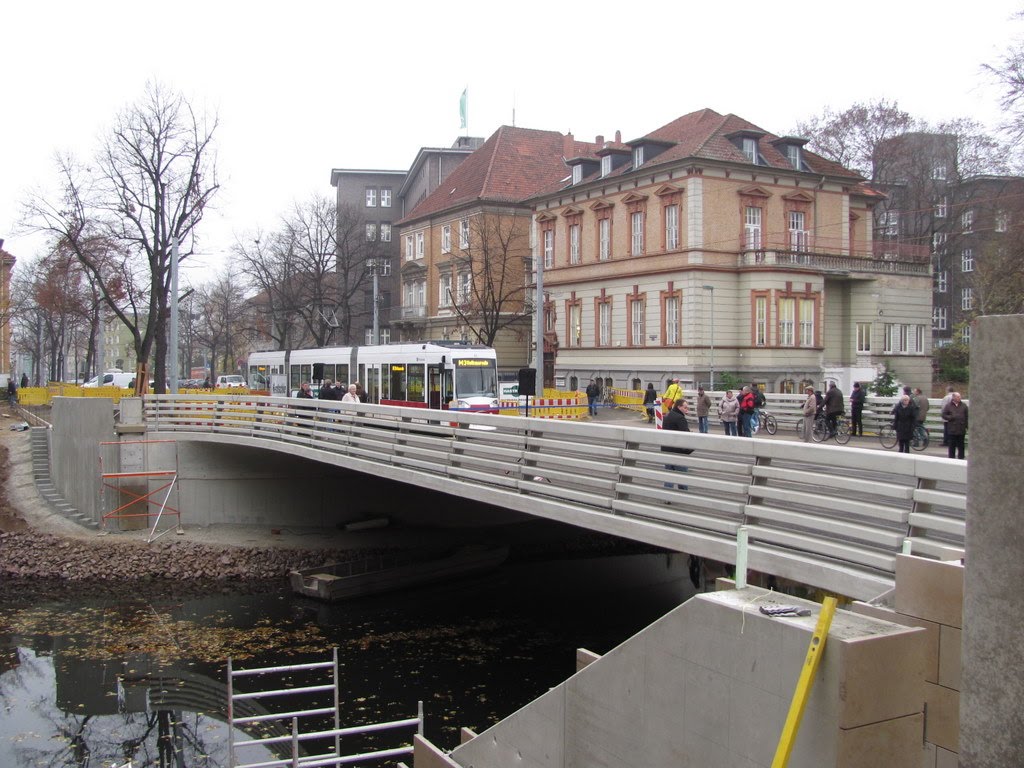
885, 257
414, 312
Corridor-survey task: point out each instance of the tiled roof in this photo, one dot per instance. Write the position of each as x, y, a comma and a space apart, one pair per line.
513, 164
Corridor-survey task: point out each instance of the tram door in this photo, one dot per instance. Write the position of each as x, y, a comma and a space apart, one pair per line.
434, 375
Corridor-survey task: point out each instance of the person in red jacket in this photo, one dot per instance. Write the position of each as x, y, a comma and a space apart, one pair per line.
747, 405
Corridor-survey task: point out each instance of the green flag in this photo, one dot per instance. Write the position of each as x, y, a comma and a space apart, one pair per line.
464, 108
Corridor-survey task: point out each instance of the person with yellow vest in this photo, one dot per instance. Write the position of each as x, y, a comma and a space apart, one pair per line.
673, 393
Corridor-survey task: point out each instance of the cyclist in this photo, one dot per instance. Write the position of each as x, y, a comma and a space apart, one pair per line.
921, 402
834, 407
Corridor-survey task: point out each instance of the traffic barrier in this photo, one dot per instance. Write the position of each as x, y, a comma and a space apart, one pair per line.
658, 415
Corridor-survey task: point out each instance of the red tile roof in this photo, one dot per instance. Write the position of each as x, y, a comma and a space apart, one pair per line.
513, 164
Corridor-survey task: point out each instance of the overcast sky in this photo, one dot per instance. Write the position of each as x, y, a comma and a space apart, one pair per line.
305, 87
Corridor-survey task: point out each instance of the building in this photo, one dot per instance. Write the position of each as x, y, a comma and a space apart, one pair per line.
710, 245
464, 244
7, 262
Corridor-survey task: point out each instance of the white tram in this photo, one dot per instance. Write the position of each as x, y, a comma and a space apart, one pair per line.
431, 374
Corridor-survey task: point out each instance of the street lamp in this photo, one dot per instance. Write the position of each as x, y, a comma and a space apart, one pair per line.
711, 384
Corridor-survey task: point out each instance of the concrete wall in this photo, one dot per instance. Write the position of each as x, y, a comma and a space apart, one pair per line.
80, 424
709, 686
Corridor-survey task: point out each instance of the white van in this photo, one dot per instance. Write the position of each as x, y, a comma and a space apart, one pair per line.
230, 380
111, 379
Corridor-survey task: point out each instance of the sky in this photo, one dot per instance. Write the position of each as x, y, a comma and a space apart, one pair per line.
305, 87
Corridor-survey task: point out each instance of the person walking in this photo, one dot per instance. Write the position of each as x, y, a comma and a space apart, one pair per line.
672, 393
304, 393
592, 392
857, 398
834, 407
351, 396
728, 412
12, 392
328, 390
24, 380
904, 418
810, 410
650, 398
361, 393
675, 421
942, 407
703, 409
748, 404
922, 405
954, 416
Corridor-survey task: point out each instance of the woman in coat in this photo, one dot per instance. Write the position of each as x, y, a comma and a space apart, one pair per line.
728, 412
904, 418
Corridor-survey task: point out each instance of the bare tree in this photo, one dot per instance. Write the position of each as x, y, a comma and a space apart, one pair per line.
221, 322
489, 294
149, 185
1008, 74
357, 253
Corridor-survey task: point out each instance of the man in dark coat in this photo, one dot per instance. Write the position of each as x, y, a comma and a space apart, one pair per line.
857, 410
650, 397
592, 392
954, 416
675, 420
834, 407
904, 418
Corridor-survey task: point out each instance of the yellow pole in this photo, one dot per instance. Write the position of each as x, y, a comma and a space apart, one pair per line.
803, 684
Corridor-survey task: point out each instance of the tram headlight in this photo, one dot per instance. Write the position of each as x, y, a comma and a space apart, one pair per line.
495, 403
462, 404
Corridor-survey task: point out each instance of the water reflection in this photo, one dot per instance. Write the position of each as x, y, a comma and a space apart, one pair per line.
94, 681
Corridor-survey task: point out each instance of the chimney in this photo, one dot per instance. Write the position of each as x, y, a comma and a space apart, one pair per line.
599, 140
568, 145
618, 137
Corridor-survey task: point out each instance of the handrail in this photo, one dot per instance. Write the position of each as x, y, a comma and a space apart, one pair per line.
827, 516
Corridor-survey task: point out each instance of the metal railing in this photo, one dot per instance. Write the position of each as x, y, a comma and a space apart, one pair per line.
827, 516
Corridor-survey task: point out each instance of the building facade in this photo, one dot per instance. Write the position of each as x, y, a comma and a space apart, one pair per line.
712, 245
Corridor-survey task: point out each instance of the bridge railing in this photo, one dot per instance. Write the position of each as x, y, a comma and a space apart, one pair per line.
829, 516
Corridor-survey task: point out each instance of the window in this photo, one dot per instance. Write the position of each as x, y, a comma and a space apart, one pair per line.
577, 173
918, 345
750, 150
636, 322
761, 321
967, 299
371, 197
940, 321
385, 267
385, 197
941, 208
604, 230
1002, 221
604, 325
965, 334
904, 337
863, 337
419, 245
939, 172
606, 165
967, 221
887, 337
967, 260
575, 324
938, 241
549, 248
574, 244
409, 252
385, 232
638, 156
793, 155
806, 322
371, 232
465, 287
671, 227
636, 220
941, 281
671, 321
752, 228
797, 233
446, 238
787, 311
464, 234
444, 290
890, 223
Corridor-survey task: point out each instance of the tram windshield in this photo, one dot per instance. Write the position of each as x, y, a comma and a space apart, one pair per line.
476, 378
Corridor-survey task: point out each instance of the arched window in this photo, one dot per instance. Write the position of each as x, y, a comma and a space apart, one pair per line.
787, 387
574, 384
636, 383
807, 383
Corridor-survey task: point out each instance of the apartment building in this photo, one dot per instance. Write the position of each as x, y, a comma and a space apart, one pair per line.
710, 244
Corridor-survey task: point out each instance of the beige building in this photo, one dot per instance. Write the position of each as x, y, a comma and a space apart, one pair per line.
7, 261
712, 245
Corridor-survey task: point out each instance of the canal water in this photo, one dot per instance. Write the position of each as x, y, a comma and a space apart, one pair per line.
95, 679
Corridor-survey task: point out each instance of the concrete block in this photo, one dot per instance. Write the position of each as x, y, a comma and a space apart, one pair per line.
946, 759
928, 755
942, 717
426, 755
706, 703
930, 589
585, 658
930, 651
890, 743
949, 657
880, 678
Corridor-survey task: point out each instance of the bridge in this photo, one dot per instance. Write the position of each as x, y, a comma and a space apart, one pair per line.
827, 516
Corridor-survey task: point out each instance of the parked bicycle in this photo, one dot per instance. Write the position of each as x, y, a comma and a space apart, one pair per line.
763, 419
919, 441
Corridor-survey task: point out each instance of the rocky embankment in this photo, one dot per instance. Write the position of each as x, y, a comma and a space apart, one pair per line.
28, 555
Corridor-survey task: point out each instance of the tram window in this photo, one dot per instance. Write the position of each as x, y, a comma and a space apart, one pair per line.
341, 372
328, 372
476, 380
295, 378
415, 381
397, 382
385, 383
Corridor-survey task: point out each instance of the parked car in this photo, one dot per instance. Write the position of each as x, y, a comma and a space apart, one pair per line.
229, 380
112, 379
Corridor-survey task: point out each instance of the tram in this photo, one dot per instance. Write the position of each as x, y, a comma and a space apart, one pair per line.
428, 374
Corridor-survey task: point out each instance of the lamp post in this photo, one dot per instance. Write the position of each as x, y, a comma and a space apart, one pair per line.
711, 384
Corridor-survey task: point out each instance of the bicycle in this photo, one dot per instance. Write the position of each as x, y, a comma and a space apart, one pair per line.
765, 419
919, 441
820, 431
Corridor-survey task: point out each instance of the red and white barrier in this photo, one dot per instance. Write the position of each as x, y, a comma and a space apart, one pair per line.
658, 416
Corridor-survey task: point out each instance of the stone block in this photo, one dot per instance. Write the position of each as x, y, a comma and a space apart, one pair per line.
880, 678
946, 759
928, 755
890, 743
930, 652
585, 658
949, 657
930, 589
942, 717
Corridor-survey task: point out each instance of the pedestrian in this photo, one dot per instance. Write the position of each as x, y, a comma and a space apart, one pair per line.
728, 412
328, 391
942, 407
592, 392
672, 393
857, 398
351, 396
12, 391
922, 405
904, 417
954, 416
675, 421
304, 393
810, 410
834, 407
650, 398
759, 403
703, 409
206, 383
747, 408
361, 393
24, 380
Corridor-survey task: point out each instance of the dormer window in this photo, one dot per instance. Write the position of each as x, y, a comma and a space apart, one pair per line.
577, 174
793, 155
750, 150
638, 156
606, 165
